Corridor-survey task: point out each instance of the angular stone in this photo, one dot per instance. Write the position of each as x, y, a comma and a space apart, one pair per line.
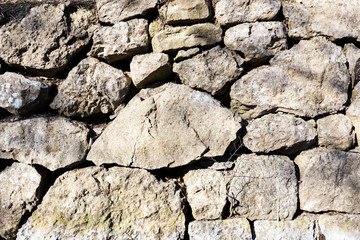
206, 193
353, 112
308, 80
329, 180
335, 19
176, 38
263, 187
184, 54
121, 41
257, 41
206, 70
46, 39
52, 142
91, 88
231, 12
168, 126
278, 132
236, 228
335, 132
340, 227
115, 203
112, 12
149, 68
352, 54
19, 194
20, 95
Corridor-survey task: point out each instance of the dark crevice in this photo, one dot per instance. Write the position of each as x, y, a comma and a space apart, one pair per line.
4, 163
298, 209
252, 227
186, 207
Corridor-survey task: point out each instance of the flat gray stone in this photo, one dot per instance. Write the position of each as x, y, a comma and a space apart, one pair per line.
340, 227
185, 54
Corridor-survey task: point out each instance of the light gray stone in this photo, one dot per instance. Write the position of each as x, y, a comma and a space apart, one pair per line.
340, 227
329, 180
184, 54
353, 112
168, 126
206, 70
52, 142
263, 187
280, 133
121, 41
115, 203
352, 54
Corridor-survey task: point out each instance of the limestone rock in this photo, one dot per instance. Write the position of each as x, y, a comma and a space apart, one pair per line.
353, 112
91, 88
309, 79
206, 70
121, 41
19, 194
206, 193
148, 68
231, 12
340, 227
118, 203
335, 132
329, 180
46, 39
264, 187
184, 54
352, 54
257, 41
168, 126
114, 11
335, 19
236, 228
176, 38
279, 132
51, 142
20, 95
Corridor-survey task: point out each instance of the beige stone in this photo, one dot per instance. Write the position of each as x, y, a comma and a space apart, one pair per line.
340, 227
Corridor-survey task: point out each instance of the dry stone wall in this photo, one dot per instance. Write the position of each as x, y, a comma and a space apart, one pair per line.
180, 119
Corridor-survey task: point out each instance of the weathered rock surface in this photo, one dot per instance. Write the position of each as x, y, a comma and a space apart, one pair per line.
19, 194
335, 132
206, 70
264, 187
309, 79
335, 19
329, 180
118, 203
340, 227
257, 41
352, 54
230, 12
236, 228
20, 95
43, 42
353, 112
91, 88
148, 68
114, 11
168, 126
176, 38
51, 142
121, 41
206, 193
279, 132
184, 54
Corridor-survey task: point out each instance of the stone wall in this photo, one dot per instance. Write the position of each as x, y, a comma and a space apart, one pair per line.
180, 119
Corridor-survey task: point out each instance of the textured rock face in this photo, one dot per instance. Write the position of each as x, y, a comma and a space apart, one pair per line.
264, 187
168, 126
20, 95
19, 192
118, 203
51, 142
121, 41
237, 228
206, 70
91, 88
309, 79
340, 227
184, 54
176, 38
335, 19
230, 12
43, 42
114, 11
352, 54
258, 41
279, 132
329, 180
148, 68
206, 193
